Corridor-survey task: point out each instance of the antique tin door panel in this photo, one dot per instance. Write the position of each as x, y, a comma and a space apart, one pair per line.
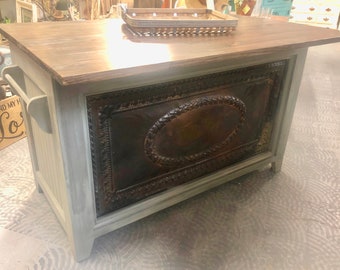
148, 139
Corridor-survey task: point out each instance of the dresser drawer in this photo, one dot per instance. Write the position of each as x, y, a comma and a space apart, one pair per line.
315, 9
328, 20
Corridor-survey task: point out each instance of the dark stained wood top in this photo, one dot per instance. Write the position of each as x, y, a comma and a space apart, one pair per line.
88, 51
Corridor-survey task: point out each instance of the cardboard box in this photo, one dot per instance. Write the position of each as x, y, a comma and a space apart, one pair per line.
12, 127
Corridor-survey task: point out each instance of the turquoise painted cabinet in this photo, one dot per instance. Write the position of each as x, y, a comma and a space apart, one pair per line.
278, 7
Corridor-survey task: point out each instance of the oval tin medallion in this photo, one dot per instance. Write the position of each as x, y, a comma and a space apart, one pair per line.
194, 130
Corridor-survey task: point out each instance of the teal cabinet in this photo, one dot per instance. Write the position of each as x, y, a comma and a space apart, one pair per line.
278, 7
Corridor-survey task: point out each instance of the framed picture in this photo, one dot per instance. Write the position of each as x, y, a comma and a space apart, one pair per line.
26, 11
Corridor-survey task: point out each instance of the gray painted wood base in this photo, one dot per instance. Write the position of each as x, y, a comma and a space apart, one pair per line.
62, 157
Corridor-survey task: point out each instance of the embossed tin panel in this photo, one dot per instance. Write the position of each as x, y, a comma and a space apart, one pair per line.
148, 139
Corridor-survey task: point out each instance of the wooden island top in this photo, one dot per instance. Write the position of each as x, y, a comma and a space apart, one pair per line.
89, 51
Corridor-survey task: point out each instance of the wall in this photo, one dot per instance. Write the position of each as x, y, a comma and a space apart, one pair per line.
8, 9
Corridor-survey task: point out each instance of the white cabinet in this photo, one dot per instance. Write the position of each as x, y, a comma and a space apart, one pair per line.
324, 13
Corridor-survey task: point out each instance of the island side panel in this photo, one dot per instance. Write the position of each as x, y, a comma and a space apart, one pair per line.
45, 147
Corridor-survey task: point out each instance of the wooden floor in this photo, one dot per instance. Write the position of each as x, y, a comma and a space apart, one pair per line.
289, 220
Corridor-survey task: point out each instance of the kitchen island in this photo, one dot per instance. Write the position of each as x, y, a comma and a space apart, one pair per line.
122, 126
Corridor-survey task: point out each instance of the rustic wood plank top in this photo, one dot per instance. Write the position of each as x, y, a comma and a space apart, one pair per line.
87, 51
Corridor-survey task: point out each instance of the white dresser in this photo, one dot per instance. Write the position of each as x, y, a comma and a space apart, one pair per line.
324, 13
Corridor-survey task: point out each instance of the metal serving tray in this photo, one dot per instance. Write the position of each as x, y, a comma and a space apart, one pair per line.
168, 21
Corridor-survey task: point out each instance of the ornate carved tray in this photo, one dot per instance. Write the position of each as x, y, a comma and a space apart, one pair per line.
168, 21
